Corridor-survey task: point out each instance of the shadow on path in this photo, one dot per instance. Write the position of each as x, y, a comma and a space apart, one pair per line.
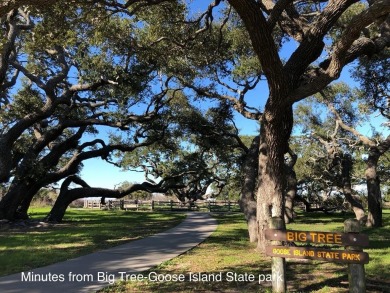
97, 270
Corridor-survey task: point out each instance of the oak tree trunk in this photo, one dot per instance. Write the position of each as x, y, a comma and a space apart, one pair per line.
305, 202
374, 196
26, 201
67, 195
5, 161
247, 200
64, 199
291, 191
346, 168
291, 188
10, 203
276, 128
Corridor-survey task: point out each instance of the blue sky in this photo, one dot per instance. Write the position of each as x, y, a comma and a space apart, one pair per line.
97, 172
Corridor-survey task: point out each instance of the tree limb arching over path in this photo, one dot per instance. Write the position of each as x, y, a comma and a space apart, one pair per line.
325, 41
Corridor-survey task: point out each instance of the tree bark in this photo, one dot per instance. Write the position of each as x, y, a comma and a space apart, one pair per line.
22, 210
276, 128
374, 196
5, 161
10, 202
65, 197
346, 168
15, 203
289, 214
291, 191
248, 201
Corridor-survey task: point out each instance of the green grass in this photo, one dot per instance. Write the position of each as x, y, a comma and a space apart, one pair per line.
228, 250
82, 232
333, 275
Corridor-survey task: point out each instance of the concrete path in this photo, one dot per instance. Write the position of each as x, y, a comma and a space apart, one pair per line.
94, 271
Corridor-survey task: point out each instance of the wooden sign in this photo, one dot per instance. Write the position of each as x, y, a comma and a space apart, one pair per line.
350, 239
342, 256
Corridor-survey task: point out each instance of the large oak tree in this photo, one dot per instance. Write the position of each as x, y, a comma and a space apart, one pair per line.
67, 71
327, 36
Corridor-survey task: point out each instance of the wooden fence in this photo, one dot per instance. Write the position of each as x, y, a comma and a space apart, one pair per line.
155, 205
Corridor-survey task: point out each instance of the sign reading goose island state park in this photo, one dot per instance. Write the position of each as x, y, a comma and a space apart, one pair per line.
344, 256
352, 239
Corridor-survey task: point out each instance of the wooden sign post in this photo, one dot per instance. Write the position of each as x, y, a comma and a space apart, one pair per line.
279, 283
352, 255
356, 273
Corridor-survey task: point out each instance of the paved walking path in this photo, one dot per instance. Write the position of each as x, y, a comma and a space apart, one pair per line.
96, 270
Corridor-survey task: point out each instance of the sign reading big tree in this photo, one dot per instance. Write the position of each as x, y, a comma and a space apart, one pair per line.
352, 255
325, 254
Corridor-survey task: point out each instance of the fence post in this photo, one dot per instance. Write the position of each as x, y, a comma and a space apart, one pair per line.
171, 203
279, 284
228, 205
356, 273
152, 205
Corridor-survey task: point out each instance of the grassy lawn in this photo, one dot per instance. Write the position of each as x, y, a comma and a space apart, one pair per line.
227, 252
82, 232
